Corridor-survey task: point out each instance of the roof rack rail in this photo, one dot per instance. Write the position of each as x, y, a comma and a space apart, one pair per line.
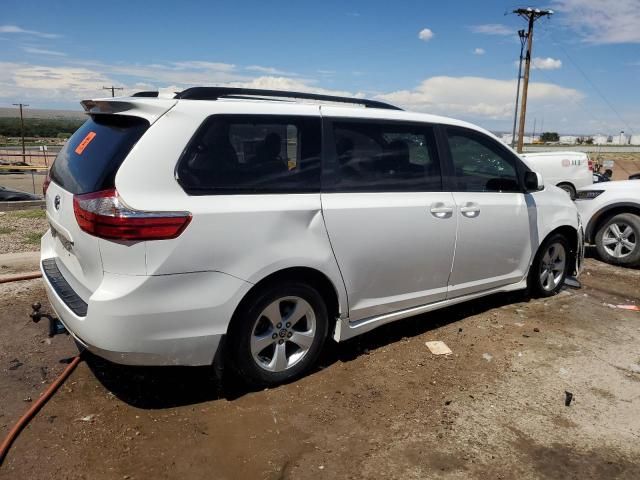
214, 93
146, 94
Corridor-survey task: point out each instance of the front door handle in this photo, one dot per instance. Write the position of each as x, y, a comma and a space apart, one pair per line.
440, 210
470, 209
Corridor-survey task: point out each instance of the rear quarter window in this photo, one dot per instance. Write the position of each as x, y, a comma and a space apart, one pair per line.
245, 154
90, 159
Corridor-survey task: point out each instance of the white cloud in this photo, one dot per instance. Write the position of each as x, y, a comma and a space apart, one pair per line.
16, 29
493, 29
268, 70
425, 34
485, 99
479, 51
200, 65
78, 80
601, 22
546, 63
477, 97
42, 51
50, 84
285, 83
186, 73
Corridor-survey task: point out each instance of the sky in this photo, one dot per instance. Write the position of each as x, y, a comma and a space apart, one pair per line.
454, 58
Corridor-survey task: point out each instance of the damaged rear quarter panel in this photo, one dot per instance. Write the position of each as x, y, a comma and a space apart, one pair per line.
250, 237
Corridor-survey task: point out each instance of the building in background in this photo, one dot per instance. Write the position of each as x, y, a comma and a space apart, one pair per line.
620, 139
568, 139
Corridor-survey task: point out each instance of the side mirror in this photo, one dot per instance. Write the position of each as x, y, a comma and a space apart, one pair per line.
533, 182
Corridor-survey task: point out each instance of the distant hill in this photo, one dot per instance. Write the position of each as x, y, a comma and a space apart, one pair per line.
43, 114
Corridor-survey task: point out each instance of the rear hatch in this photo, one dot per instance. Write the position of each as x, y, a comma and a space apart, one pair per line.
88, 163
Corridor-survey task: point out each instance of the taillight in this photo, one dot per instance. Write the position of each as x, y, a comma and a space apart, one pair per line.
45, 184
105, 215
591, 165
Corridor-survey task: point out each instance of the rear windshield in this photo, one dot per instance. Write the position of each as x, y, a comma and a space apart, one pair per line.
89, 160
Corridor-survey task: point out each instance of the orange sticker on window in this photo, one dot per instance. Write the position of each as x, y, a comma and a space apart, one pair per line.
85, 141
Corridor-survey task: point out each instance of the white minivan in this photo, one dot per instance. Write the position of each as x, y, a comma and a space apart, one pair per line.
250, 225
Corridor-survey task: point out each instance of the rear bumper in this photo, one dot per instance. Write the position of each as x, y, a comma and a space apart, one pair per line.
150, 320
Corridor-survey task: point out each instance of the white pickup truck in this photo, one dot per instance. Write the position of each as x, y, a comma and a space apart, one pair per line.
568, 170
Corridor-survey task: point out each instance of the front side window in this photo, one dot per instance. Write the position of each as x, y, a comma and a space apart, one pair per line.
379, 157
480, 164
252, 154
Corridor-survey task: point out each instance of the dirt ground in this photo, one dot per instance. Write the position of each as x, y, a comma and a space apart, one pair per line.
625, 164
21, 231
380, 406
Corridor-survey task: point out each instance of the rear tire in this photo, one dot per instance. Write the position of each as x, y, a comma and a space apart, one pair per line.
570, 189
618, 240
550, 266
277, 334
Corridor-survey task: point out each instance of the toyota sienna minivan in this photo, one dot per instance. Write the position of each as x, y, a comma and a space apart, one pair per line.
248, 226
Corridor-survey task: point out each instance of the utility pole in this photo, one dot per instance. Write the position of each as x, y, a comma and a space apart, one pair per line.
113, 90
21, 105
531, 15
523, 38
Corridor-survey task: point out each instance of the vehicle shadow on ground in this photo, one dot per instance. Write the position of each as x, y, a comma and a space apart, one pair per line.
591, 252
166, 387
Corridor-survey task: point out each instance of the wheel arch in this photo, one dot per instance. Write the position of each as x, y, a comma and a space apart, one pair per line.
571, 234
605, 213
308, 275
568, 184
565, 182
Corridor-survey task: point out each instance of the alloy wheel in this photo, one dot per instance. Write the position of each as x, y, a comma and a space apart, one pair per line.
619, 240
283, 334
552, 266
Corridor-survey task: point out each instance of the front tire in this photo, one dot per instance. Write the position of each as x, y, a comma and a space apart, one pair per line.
277, 334
550, 266
618, 240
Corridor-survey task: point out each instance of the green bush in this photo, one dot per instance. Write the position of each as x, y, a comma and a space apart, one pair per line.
39, 127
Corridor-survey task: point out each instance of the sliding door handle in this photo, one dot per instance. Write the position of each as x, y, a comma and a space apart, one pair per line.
440, 210
470, 209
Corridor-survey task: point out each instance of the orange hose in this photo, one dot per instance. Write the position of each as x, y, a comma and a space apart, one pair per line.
24, 420
17, 278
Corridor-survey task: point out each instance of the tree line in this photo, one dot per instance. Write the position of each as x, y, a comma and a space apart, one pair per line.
39, 127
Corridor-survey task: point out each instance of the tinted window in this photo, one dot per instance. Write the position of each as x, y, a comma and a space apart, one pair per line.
89, 160
480, 163
376, 157
253, 154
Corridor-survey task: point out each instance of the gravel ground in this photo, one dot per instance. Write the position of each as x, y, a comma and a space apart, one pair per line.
20, 231
379, 406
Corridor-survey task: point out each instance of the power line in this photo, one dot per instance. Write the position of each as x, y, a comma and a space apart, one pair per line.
594, 86
113, 90
580, 105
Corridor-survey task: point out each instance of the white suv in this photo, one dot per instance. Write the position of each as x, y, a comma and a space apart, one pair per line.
250, 225
611, 212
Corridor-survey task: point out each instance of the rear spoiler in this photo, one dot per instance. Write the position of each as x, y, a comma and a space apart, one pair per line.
149, 109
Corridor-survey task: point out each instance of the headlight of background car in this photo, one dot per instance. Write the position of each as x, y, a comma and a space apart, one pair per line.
588, 194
